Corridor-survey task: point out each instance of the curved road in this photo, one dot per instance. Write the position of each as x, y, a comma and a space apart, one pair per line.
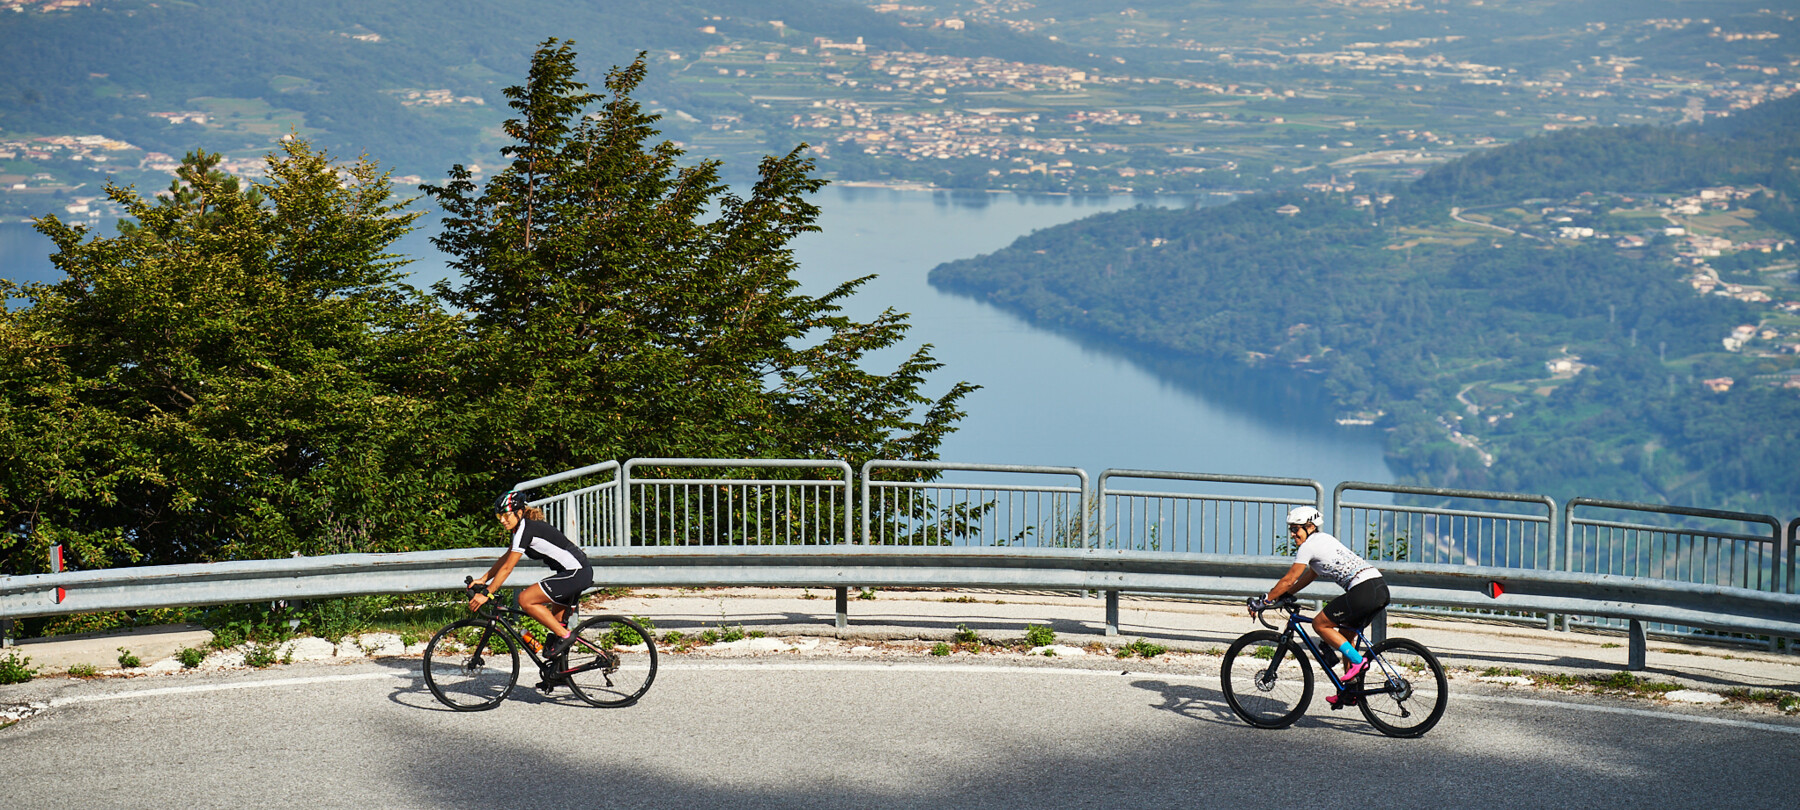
791, 732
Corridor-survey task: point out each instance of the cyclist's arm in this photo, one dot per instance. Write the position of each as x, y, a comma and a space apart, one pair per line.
495, 577
1299, 575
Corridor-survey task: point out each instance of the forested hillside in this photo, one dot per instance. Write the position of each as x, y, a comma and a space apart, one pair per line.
1545, 356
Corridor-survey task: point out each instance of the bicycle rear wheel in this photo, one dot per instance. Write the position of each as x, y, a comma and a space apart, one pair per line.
1416, 689
471, 665
612, 662
1266, 692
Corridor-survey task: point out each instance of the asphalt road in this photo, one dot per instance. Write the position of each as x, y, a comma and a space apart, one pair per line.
854, 733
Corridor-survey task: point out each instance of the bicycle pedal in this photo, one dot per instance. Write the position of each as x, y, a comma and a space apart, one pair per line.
546, 687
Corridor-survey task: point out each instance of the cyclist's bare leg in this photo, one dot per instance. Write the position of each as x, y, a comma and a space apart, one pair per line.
1328, 630
537, 605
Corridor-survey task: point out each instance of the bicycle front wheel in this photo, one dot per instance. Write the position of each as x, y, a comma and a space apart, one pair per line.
612, 662
1267, 680
471, 665
1409, 688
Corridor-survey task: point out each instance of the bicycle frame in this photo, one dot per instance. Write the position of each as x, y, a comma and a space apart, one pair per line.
503, 617
1296, 623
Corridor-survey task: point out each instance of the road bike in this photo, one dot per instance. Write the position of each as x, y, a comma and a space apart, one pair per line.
472, 664
1268, 679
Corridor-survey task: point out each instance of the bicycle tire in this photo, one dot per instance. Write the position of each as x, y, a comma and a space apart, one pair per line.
1263, 697
605, 668
471, 665
1421, 693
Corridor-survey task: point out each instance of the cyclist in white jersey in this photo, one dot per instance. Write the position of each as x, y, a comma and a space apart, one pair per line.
551, 600
1320, 555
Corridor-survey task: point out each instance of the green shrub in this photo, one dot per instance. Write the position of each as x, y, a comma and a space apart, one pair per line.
190, 657
966, 636
940, 649
16, 668
127, 660
1038, 635
709, 637
757, 634
673, 637
83, 671
733, 633
261, 654
1142, 649
867, 593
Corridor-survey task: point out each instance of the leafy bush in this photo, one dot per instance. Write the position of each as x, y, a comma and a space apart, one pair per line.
190, 657
940, 649
261, 654
866, 594
1038, 635
127, 660
733, 633
16, 668
1142, 648
82, 671
966, 636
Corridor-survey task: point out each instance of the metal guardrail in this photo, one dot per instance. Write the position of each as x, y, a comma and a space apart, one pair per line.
1076, 569
1703, 552
1390, 533
1160, 520
1789, 575
920, 530
590, 515
735, 511
935, 512
1445, 535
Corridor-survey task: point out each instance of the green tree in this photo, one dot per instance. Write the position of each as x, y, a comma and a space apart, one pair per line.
621, 304
238, 373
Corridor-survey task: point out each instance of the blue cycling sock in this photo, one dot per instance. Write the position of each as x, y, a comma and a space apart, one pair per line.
1350, 653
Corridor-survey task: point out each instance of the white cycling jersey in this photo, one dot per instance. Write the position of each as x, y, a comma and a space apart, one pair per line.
1331, 559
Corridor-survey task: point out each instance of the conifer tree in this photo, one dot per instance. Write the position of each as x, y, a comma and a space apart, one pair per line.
622, 304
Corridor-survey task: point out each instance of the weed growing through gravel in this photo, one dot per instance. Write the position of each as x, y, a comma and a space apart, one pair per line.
16, 668
940, 649
82, 671
1623, 683
1785, 701
190, 657
127, 660
1142, 649
1491, 672
1038, 635
966, 636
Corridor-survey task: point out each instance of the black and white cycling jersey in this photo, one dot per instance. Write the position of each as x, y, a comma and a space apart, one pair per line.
1332, 560
542, 542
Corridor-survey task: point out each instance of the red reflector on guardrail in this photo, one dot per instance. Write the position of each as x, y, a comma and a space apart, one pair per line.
61, 594
1495, 590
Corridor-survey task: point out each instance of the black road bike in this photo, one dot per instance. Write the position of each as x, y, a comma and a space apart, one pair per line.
1268, 678
473, 663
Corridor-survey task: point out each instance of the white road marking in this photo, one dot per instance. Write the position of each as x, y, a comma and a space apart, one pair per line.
220, 687
983, 669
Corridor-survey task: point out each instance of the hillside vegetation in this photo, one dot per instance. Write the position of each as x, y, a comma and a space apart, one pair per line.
1515, 351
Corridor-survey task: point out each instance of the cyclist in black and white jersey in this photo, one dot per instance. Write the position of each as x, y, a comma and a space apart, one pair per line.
548, 601
1318, 554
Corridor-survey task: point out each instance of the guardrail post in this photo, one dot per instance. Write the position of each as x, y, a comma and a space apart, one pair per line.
1639, 647
1112, 613
6, 639
843, 607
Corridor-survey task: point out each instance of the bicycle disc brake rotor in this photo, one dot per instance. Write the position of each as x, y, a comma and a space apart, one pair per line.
1265, 681
1403, 689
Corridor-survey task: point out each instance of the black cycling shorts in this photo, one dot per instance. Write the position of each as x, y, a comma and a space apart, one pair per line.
1359, 604
566, 588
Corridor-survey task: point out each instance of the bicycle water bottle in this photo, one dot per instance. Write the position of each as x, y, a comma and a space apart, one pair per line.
531, 641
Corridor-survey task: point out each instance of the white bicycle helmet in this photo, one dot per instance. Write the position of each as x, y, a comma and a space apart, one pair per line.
1302, 515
